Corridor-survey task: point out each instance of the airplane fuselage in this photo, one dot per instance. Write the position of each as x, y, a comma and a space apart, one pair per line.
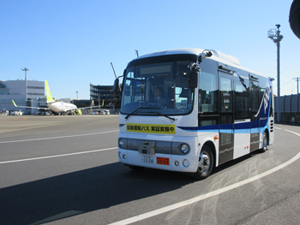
62, 107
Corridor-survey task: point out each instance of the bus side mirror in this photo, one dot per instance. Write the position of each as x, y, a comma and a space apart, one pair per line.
116, 88
193, 75
193, 79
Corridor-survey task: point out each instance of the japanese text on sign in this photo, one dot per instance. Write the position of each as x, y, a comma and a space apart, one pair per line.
151, 128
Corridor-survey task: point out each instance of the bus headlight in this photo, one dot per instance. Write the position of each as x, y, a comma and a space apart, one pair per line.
184, 148
121, 143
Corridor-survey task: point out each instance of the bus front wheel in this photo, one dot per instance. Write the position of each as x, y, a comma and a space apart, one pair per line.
205, 164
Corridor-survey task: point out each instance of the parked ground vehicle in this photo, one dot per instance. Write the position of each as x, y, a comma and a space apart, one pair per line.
17, 113
4, 112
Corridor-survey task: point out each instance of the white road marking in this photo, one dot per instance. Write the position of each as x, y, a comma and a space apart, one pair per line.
207, 195
56, 156
50, 138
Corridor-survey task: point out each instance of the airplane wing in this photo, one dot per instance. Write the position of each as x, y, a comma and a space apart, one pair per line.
41, 108
94, 106
90, 107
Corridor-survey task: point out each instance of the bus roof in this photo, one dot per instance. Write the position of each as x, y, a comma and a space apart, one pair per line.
216, 56
195, 51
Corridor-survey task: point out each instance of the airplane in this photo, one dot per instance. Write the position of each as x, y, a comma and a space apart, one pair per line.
57, 107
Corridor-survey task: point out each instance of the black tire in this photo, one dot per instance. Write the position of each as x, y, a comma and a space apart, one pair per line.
205, 164
265, 142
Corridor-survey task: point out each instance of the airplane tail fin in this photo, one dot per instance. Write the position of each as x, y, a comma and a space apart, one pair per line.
48, 93
14, 103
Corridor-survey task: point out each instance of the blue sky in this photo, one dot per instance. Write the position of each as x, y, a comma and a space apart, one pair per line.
71, 43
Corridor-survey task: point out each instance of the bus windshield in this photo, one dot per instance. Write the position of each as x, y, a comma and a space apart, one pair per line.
157, 89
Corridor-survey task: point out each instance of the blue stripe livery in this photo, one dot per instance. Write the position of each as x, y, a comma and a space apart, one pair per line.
254, 126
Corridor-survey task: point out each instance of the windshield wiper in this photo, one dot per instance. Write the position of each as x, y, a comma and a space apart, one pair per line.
173, 119
140, 108
136, 111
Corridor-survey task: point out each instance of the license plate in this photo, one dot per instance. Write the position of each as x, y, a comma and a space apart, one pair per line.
163, 161
148, 159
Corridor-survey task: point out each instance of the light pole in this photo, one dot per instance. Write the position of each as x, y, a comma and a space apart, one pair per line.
77, 94
275, 36
25, 69
297, 79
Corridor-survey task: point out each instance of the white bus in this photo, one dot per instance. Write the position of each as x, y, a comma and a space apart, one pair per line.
210, 111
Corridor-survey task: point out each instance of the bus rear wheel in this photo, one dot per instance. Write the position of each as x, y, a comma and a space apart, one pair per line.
265, 142
205, 164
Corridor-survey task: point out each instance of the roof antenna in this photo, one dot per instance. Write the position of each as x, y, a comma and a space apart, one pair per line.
137, 53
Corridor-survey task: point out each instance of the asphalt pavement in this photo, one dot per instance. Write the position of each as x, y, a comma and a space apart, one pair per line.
65, 170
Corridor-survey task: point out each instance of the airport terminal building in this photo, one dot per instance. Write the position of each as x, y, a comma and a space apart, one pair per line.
101, 95
16, 90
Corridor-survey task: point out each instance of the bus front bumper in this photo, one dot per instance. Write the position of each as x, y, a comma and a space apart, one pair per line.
179, 163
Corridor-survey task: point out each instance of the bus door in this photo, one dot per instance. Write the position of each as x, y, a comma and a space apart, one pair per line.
255, 102
226, 128
241, 116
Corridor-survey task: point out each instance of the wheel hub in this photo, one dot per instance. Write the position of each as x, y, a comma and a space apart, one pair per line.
204, 162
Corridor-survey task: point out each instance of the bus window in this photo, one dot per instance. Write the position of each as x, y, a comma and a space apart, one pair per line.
261, 94
241, 100
226, 94
254, 99
208, 98
254, 96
